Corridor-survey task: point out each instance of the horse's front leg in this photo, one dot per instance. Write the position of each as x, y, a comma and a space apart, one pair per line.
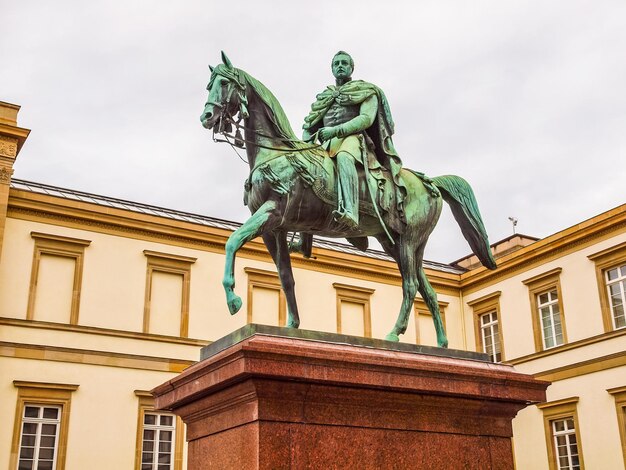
262, 220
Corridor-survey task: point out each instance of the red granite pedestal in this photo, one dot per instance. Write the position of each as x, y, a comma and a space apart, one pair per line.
271, 402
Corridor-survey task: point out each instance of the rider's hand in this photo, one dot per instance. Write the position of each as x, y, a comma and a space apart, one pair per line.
327, 133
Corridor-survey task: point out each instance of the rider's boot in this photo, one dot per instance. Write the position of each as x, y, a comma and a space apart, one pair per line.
349, 183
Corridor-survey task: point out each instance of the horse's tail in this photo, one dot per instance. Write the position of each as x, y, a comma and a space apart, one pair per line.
459, 195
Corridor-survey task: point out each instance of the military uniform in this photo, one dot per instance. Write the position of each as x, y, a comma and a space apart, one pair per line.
354, 109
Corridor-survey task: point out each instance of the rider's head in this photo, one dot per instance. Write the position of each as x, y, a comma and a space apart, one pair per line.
342, 65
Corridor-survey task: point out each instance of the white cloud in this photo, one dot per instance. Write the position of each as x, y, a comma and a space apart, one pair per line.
523, 99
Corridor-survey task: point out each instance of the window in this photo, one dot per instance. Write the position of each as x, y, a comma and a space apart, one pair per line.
489, 335
561, 431
168, 283
157, 446
547, 309
39, 437
487, 329
56, 278
266, 299
550, 318
41, 426
564, 434
159, 437
616, 286
353, 310
611, 277
619, 395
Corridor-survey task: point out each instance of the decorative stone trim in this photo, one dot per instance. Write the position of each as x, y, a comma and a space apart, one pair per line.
8, 146
172, 264
146, 403
5, 175
356, 295
266, 280
65, 247
43, 393
555, 410
540, 284
420, 308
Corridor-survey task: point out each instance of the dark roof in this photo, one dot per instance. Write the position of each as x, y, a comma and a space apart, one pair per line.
123, 204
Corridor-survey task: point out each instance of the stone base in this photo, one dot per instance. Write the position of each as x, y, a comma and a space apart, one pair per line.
270, 401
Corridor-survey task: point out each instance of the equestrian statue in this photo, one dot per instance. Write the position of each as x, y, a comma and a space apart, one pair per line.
343, 179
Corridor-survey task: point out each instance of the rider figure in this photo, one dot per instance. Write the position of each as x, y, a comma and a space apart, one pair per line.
342, 115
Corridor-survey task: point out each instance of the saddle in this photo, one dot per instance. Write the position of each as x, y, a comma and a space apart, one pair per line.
376, 185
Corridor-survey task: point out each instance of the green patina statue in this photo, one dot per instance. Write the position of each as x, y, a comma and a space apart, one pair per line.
350, 185
343, 116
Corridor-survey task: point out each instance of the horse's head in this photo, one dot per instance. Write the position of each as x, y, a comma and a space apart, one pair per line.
227, 96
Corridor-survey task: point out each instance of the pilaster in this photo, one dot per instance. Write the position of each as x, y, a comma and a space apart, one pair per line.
12, 138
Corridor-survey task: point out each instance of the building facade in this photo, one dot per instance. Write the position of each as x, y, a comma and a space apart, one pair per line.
103, 299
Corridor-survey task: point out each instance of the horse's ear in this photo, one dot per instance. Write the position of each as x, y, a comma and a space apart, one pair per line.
226, 61
211, 68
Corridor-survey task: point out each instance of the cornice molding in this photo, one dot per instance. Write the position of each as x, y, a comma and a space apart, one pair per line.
567, 346
169, 257
45, 385
347, 288
541, 277
18, 133
578, 369
608, 252
86, 356
491, 297
564, 401
59, 238
96, 330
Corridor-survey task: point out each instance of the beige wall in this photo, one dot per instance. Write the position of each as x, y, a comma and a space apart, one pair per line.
599, 433
114, 283
109, 355
581, 302
103, 421
587, 369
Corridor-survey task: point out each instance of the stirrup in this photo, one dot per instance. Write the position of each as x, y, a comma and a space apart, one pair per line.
345, 218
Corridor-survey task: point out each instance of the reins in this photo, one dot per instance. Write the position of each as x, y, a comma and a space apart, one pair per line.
234, 146
239, 138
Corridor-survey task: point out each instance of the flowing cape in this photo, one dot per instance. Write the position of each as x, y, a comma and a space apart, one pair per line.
353, 93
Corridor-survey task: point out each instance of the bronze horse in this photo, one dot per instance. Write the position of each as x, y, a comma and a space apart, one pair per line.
280, 192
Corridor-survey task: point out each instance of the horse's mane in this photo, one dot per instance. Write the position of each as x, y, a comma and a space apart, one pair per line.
277, 115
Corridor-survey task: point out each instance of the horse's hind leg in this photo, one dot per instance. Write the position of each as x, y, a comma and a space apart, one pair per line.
408, 270
262, 220
279, 250
430, 297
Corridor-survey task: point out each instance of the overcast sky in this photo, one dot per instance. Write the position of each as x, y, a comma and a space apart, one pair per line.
524, 99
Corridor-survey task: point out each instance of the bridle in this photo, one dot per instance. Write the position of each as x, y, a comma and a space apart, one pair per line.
226, 123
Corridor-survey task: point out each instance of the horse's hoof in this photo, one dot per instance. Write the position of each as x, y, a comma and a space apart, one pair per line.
443, 344
234, 304
392, 337
293, 323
